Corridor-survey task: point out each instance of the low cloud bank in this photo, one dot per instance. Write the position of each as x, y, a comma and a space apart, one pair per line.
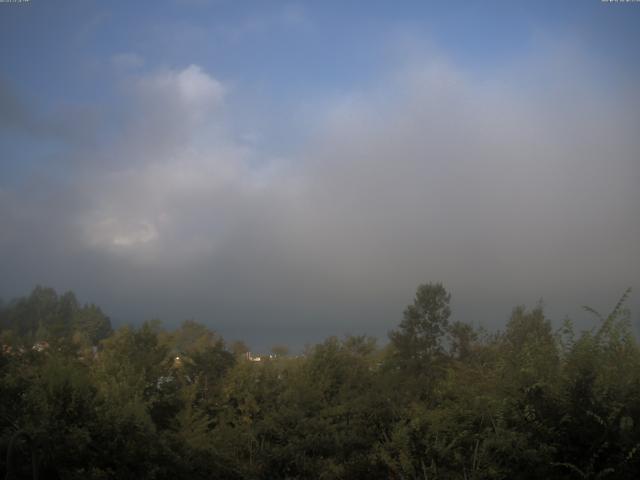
510, 187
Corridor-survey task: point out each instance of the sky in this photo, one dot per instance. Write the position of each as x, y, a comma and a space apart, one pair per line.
286, 171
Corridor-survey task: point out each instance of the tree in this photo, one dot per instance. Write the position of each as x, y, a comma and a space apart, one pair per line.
191, 337
418, 340
462, 338
92, 322
239, 348
280, 350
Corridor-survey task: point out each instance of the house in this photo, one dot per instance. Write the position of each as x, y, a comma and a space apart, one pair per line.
251, 358
40, 346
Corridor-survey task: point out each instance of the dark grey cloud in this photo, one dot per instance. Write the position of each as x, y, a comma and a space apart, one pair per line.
508, 188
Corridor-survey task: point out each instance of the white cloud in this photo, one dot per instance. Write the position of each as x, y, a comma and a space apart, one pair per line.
182, 184
189, 94
112, 232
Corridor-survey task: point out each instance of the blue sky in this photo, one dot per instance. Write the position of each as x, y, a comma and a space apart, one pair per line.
309, 163
60, 52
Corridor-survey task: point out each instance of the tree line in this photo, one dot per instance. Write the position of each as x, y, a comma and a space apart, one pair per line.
440, 400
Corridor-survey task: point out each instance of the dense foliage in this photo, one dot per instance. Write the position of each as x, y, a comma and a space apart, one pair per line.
441, 401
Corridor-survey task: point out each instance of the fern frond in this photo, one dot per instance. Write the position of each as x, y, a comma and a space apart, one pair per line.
632, 452
594, 312
616, 310
597, 417
604, 472
571, 467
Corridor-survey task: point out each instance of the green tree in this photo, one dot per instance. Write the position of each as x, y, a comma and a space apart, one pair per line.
418, 338
92, 322
417, 357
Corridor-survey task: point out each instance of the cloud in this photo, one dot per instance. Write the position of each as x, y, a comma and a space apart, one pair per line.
173, 168
191, 88
480, 184
114, 232
175, 100
505, 188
